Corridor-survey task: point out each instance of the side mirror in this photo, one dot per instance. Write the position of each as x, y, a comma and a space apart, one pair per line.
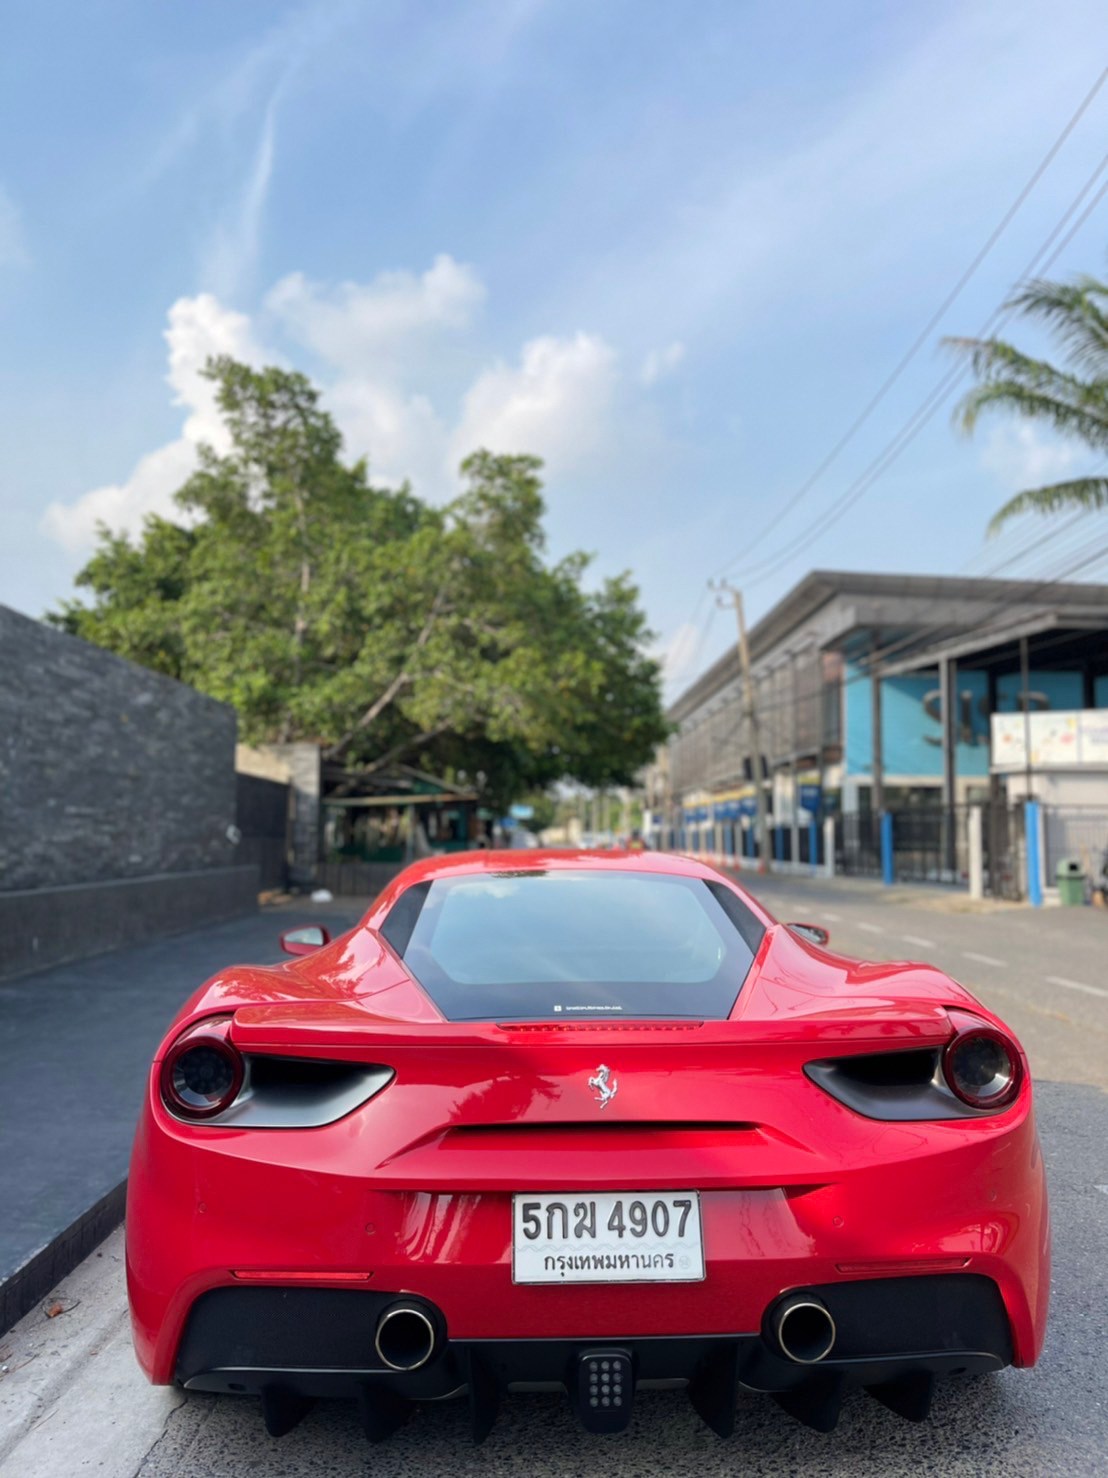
814, 932
305, 939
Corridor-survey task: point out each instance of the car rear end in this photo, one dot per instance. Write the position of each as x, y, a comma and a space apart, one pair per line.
797, 1196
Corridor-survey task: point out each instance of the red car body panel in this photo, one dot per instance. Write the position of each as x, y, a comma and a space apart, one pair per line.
411, 1192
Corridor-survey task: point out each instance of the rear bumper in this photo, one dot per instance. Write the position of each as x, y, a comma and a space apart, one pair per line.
941, 1201
321, 1342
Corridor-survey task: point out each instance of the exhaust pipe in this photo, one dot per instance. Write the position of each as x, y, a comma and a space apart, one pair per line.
802, 1329
405, 1337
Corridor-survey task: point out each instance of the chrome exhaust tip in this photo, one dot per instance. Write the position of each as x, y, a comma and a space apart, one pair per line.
803, 1329
405, 1337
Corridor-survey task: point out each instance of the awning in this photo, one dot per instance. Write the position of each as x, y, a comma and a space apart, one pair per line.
989, 638
347, 802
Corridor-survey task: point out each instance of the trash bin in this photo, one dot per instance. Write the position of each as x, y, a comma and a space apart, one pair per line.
1071, 881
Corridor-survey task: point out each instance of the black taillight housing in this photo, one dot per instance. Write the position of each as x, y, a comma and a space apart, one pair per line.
202, 1073
982, 1066
977, 1072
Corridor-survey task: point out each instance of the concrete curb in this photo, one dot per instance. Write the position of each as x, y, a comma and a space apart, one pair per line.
44, 1269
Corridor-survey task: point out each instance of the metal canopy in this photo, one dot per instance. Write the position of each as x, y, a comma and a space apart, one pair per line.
989, 638
444, 798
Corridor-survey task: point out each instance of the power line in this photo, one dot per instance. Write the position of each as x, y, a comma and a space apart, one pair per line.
869, 661
1032, 582
926, 410
936, 317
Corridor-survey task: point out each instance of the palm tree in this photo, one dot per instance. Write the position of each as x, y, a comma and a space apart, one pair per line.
1074, 400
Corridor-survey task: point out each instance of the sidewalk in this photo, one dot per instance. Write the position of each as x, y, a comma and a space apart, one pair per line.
75, 1045
940, 897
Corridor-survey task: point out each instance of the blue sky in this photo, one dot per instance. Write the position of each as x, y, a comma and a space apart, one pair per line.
672, 249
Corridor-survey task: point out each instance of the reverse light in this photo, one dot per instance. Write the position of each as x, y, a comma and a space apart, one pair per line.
202, 1073
982, 1068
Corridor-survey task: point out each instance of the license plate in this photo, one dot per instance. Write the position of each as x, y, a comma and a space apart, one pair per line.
650, 1237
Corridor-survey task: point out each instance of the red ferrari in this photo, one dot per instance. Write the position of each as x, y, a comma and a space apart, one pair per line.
584, 1121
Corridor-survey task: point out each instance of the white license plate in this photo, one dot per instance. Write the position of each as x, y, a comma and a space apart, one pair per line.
610, 1237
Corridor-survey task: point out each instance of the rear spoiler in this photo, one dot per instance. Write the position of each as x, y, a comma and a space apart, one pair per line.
316, 1025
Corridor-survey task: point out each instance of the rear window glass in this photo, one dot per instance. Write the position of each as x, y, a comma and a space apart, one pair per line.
578, 945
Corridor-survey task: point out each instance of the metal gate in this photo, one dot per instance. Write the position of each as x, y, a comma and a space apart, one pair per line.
929, 844
262, 817
1003, 846
858, 844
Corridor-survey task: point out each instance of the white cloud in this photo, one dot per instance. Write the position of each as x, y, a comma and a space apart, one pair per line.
13, 242
201, 328
353, 325
267, 67
401, 435
232, 251
660, 363
377, 342
379, 345
555, 403
680, 654
1021, 456
198, 328
122, 506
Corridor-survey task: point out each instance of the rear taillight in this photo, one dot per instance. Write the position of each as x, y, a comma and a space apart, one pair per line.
982, 1067
202, 1073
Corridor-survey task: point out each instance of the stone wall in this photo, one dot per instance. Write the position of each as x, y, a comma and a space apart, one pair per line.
108, 773
40, 927
107, 770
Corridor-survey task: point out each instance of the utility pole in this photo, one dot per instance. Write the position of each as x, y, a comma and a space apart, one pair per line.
727, 594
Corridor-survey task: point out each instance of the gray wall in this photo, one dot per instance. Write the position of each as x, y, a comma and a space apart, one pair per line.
107, 770
40, 927
111, 777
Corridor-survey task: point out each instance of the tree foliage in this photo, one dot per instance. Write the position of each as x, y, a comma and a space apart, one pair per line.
325, 608
1072, 401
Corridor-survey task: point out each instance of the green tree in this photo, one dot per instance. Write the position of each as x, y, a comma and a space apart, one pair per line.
325, 608
1072, 400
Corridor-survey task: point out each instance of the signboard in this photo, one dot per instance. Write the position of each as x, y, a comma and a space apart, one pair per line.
1058, 740
521, 812
809, 791
1009, 748
1092, 731
1054, 740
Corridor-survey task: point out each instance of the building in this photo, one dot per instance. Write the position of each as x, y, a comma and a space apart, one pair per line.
874, 693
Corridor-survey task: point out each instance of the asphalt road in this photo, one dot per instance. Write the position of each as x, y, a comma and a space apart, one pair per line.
91, 1410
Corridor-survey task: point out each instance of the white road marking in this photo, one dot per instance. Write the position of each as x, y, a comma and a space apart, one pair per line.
983, 959
1090, 990
832, 918
871, 928
916, 939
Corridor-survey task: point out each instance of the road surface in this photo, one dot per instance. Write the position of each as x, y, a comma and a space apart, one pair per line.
72, 1400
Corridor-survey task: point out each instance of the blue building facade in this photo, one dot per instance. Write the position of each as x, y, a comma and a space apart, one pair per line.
816, 657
